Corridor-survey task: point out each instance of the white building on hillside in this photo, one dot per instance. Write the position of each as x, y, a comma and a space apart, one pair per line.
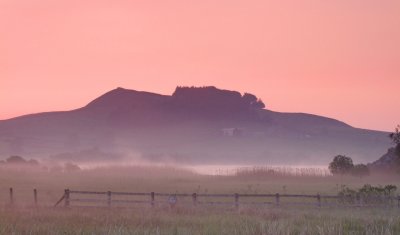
231, 132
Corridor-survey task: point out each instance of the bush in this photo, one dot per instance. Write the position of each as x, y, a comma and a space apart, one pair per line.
71, 167
360, 170
347, 195
368, 193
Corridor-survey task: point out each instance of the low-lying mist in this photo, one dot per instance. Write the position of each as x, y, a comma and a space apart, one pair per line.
193, 126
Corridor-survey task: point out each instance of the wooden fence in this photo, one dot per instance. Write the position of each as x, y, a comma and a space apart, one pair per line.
12, 201
109, 198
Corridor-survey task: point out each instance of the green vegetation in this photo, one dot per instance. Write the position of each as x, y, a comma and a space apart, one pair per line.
341, 165
24, 218
360, 170
344, 165
387, 190
18, 160
368, 194
91, 221
395, 137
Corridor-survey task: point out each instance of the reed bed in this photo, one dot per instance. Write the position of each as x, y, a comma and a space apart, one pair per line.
279, 172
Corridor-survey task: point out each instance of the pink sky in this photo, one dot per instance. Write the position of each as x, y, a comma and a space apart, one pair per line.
334, 58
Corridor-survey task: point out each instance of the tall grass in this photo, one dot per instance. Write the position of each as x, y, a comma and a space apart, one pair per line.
24, 218
198, 221
279, 172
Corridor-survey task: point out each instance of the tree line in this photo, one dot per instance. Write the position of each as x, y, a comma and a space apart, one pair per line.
342, 164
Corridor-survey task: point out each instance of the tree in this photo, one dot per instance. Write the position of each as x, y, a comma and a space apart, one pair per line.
249, 98
71, 167
15, 160
360, 170
259, 104
341, 164
395, 137
252, 101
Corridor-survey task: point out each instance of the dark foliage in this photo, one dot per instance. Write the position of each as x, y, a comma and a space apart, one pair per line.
341, 165
397, 151
71, 167
360, 170
213, 102
249, 98
18, 160
252, 101
395, 136
367, 194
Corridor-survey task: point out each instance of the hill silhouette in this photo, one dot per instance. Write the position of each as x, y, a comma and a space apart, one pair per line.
193, 125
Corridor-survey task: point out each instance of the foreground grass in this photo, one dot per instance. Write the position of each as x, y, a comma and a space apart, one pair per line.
22, 218
199, 221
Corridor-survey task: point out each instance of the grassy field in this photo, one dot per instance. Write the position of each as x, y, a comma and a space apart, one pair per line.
24, 218
199, 221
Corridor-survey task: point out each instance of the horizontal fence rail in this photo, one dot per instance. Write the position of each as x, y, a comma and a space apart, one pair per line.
108, 198
122, 199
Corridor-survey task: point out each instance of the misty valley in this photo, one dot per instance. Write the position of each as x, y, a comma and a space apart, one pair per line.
196, 126
201, 161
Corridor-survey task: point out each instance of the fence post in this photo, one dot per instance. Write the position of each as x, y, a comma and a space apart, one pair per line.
152, 199
109, 198
319, 200
358, 200
277, 199
66, 199
11, 196
398, 201
237, 201
194, 199
35, 196
341, 200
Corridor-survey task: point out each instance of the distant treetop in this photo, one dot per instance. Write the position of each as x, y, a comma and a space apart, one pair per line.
395, 136
212, 96
18, 160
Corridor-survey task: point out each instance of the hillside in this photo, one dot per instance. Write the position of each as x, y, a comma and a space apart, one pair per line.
193, 125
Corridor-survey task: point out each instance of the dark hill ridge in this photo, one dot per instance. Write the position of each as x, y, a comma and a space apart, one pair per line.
188, 126
194, 102
388, 161
197, 103
122, 98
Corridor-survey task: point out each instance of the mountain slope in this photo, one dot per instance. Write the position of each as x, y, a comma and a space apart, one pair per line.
189, 126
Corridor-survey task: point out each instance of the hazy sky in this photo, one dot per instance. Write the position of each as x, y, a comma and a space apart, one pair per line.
336, 58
